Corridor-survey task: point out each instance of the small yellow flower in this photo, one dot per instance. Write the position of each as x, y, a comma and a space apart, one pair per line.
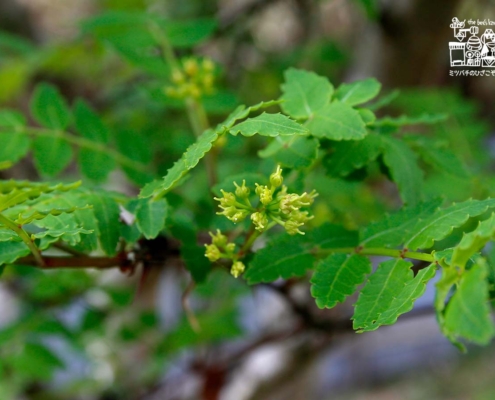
212, 252
237, 269
260, 220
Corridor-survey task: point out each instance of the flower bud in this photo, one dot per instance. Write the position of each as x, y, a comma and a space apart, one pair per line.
299, 216
228, 199
308, 199
242, 191
266, 196
288, 203
260, 221
292, 227
177, 76
237, 269
194, 91
191, 67
208, 82
212, 252
218, 239
208, 65
230, 248
259, 189
239, 216
276, 178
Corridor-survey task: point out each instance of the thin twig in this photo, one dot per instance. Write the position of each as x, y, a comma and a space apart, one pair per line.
191, 317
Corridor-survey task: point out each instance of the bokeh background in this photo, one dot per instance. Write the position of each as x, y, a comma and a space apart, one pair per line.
104, 339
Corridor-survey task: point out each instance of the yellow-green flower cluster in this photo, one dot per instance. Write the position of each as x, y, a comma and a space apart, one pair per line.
192, 79
276, 205
221, 248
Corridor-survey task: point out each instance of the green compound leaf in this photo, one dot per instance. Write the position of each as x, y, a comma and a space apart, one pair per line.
403, 166
351, 155
404, 302
49, 108
284, 258
406, 120
13, 193
473, 241
34, 215
242, 112
396, 228
304, 93
390, 292
441, 223
337, 277
107, 214
442, 159
83, 216
188, 33
366, 115
445, 161
358, 92
151, 216
269, 125
89, 124
14, 143
13, 146
95, 165
135, 35
169, 181
6, 235
289, 256
468, 314
383, 100
51, 154
135, 146
124, 29
449, 276
12, 119
337, 121
198, 149
292, 152
11, 251
62, 227
188, 161
329, 236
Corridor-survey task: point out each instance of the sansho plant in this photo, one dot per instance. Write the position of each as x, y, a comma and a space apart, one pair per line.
330, 145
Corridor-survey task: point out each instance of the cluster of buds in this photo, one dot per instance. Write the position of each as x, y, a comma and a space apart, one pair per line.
192, 79
276, 206
235, 206
221, 248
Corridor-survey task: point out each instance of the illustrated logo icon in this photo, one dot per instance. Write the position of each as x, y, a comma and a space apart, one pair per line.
476, 51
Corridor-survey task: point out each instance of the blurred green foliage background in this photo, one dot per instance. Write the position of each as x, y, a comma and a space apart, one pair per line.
93, 335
